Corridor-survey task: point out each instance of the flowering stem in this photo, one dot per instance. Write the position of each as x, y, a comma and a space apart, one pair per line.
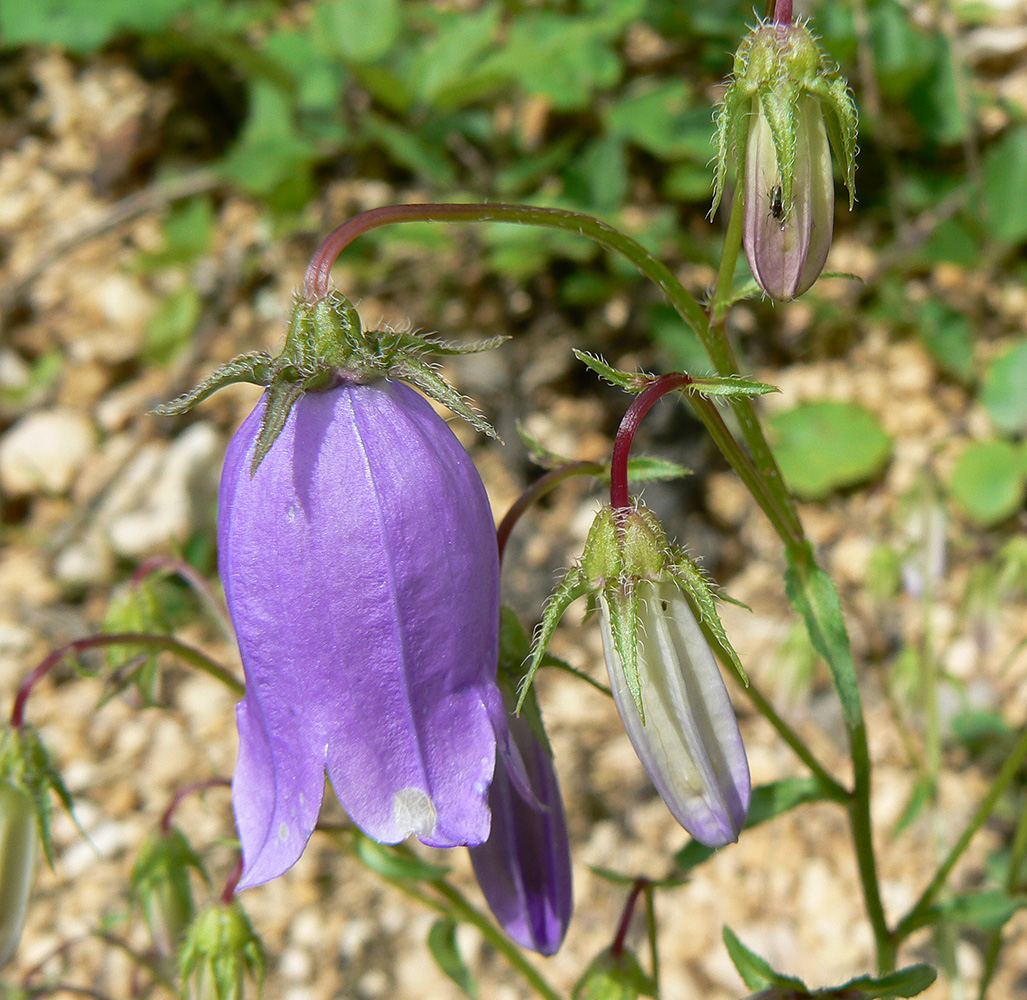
640, 406
782, 11
542, 486
654, 949
919, 915
456, 906
228, 893
316, 281
196, 786
617, 948
721, 299
190, 654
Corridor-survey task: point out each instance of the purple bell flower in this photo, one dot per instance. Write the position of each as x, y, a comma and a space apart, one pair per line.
361, 571
524, 868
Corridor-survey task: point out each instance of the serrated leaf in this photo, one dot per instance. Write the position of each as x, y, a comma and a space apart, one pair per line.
757, 972
394, 862
632, 381
729, 385
697, 586
651, 468
919, 795
538, 452
443, 947
812, 593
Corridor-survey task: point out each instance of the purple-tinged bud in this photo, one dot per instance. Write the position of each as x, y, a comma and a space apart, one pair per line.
524, 868
787, 245
19, 845
689, 743
361, 570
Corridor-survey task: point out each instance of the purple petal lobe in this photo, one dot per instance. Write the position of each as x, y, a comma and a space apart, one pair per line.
524, 868
361, 571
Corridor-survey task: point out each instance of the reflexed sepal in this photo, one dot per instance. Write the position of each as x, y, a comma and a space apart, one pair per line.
326, 346
573, 586
220, 952
25, 763
699, 590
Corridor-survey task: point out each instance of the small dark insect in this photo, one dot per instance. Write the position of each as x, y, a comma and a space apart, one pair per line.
777, 208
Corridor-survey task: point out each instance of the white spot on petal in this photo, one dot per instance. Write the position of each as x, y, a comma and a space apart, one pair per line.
283, 832
414, 811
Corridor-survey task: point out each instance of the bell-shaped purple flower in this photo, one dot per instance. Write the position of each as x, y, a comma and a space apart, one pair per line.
361, 570
524, 868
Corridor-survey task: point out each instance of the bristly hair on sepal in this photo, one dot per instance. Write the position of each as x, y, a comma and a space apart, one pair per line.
326, 346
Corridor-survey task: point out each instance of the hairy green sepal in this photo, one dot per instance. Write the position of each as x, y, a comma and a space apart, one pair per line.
624, 548
326, 347
775, 67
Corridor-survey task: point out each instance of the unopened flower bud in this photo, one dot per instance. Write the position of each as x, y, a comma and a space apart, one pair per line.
785, 102
220, 952
19, 844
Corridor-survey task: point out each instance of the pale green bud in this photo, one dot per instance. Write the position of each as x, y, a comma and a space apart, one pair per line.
19, 845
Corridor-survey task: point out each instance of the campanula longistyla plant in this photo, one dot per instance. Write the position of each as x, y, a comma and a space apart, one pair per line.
359, 560
784, 101
524, 868
665, 679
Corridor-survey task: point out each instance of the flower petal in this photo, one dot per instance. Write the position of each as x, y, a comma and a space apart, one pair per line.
361, 571
524, 868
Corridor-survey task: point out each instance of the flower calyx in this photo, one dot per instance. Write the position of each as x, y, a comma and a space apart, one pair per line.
775, 68
326, 346
627, 548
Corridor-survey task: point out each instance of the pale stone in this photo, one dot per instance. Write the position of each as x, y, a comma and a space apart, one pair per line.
44, 451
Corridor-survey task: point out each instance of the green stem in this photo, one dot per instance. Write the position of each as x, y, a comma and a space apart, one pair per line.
654, 948
460, 908
919, 915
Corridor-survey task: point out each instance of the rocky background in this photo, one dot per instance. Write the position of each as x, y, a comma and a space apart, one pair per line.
101, 148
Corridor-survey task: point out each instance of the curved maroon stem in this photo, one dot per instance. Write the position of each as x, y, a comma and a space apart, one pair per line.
617, 948
162, 642
782, 12
228, 893
536, 491
196, 786
619, 497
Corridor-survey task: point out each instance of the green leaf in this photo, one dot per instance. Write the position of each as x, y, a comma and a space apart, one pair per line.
1004, 390
359, 30
988, 481
445, 60
987, 911
768, 802
729, 385
650, 468
907, 982
187, 233
394, 862
442, 945
948, 339
632, 381
919, 795
172, 325
825, 445
81, 25
812, 593
1005, 166
757, 972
